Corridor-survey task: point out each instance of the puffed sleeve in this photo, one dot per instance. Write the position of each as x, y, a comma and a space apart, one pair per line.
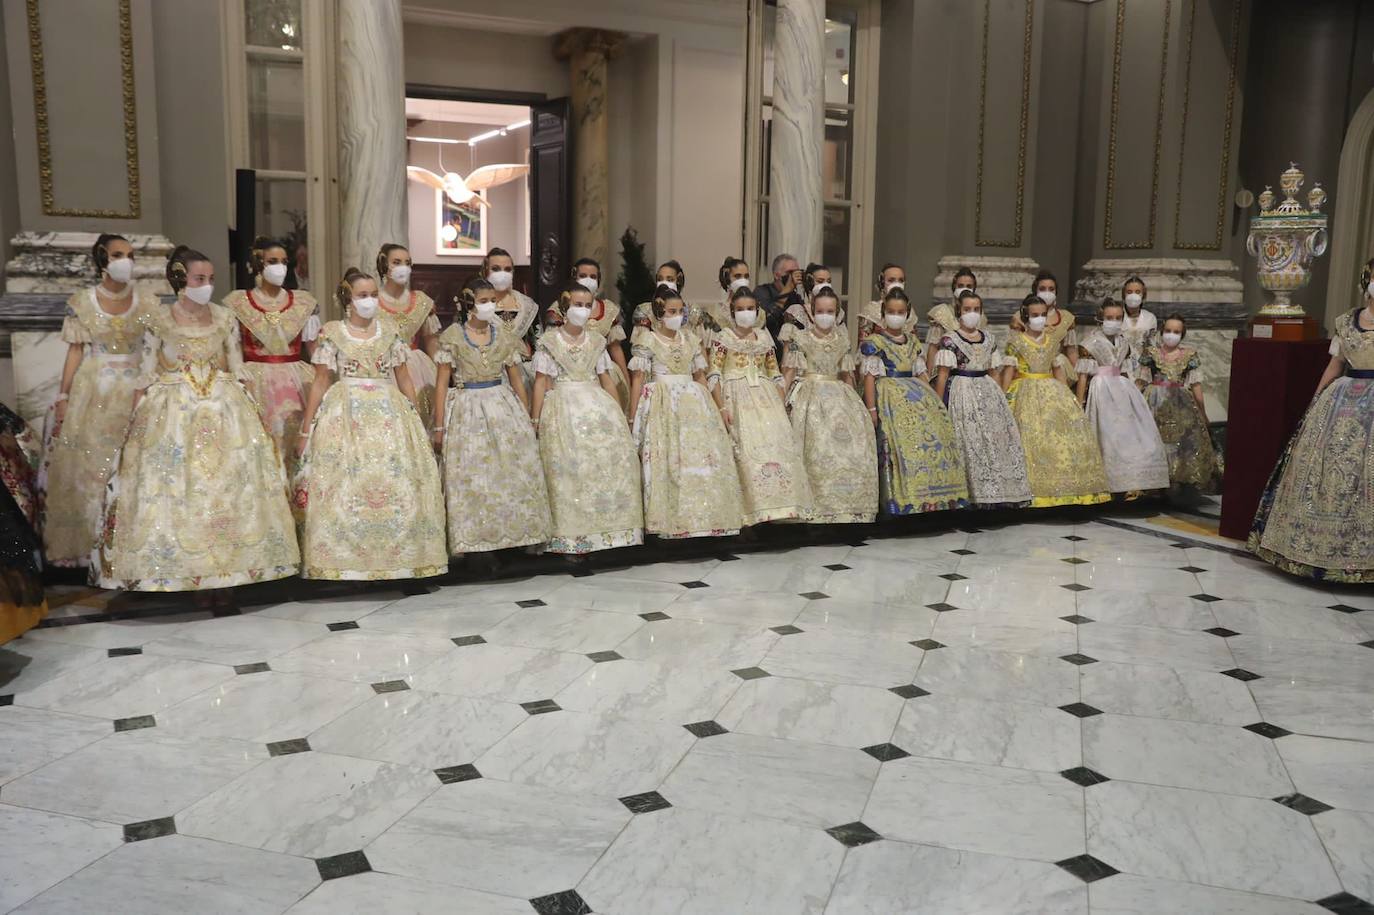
699, 362
326, 353
1062, 361
717, 364
233, 352
920, 366
641, 357
432, 325
604, 363
544, 364
443, 355
73, 331
793, 357
450, 337
616, 333
945, 357
311, 331
871, 363
397, 353
1335, 349
934, 334
1194, 375
1087, 364
847, 362
1144, 368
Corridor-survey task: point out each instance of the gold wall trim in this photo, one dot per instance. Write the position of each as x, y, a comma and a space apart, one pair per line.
1109, 240
1224, 168
40, 116
978, 238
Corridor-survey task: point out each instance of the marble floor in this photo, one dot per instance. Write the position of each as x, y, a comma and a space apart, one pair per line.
1090, 713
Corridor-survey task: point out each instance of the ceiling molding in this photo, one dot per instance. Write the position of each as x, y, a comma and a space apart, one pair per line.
549, 18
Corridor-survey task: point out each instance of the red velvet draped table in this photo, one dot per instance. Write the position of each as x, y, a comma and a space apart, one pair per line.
1271, 387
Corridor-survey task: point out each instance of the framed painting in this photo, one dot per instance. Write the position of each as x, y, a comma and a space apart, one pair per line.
461, 228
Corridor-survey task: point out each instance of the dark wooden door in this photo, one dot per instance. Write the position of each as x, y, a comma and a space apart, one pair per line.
551, 186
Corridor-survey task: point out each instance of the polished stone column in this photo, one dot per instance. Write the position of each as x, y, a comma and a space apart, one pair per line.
588, 52
371, 89
796, 193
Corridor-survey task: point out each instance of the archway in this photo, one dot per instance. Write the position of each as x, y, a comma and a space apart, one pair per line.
1352, 224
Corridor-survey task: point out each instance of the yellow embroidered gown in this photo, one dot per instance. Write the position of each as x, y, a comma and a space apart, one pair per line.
411, 314
830, 419
198, 498
691, 487
80, 455
373, 507
1063, 461
772, 475
273, 332
493, 480
589, 458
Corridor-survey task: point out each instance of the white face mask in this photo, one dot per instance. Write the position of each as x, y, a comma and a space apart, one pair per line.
970, 319
589, 283
500, 279
274, 274
1134, 300
399, 274
673, 322
960, 290
825, 320
747, 318
486, 311
365, 307
671, 284
1037, 323
1111, 326
1171, 339
1369, 290
895, 284
578, 315
1047, 296
894, 322
200, 294
739, 282
121, 271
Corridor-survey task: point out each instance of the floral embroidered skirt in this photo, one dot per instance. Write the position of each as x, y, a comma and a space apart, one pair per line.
919, 465
772, 478
838, 445
1063, 461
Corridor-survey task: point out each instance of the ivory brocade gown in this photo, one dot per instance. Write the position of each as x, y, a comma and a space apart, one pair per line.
368, 487
589, 458
1132, 451
768, 454
273, 333
79, 456
831, 422
198, 497
1316, 515
989, 441
606, 321
691, 486
1182, 425
493, 480
411, 315
518, 312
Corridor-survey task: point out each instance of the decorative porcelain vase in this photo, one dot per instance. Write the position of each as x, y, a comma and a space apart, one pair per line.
1286, 239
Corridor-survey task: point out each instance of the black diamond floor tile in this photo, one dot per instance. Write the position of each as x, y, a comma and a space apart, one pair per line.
1241, 674
1344, 608
390, 686
909, 691
705, 729
601, 657
451, 775
287, 747
941, 607
786, 630
1369, 644
954, 576
134, 723
1079, 659
852, 835
1087, 868
1077, 619
150, 829
463, 640
567, 902
1346, 904
1303, 804
7, 699
838, 567
340, 627
122, 652
1082, 775
1193, 569
964, 552
1074, 561
1074, 538
1206, 598
694, 584
928, 644
751, 673
655, 616
1221, 632
344, 865
1264, 729
1080, 710
814, 595
1075, 587
647, 802
530, 603
541, 706
728, 557
257, 667
886, 752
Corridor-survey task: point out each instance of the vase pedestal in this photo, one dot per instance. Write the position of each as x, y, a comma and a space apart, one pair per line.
1285, 328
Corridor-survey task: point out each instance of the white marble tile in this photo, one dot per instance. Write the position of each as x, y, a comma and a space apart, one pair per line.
40, 849
25, 663
118, 633
1184, 754
35, 737
741, 608
443, 622
179, 874
1349, 840
419, 728
660, 865
992, 569
646, 691
673, 573
998, 676
487, 592
1135, 551
593, 754
1176, 648
616, 595
747, 776
135, 776
994, 733
1264, 583
1336, 663
330, 609
365, 657
561, 629
236, 639
1012, 595
1353, 597
1163, 692
1220, 840
894, 582
843, 657
988, 809
1137, 579
1335, 772
883, 558
126, 686
1135, 608
1125, 894
693, 643
496, 837
999, 632
264, 707
1317, 709
312, 804
1277, 620
370, 893
869, 619
887, 877
502, 672
785, 574
835, 713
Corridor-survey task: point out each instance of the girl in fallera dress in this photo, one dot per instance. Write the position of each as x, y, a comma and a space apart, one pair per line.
969, 380
1139, 324
482, 428
870, 321
733, 275
829, 418
1316, 515
816, 278
589, 458
691, 487
1171, 376
1059, 322
515, 309
1132, 451
944, 319
919, 466
605, 320
103, 330
670, 274
276, 325
747, 384
1063, 461
368, 489
412, 314
198, 498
